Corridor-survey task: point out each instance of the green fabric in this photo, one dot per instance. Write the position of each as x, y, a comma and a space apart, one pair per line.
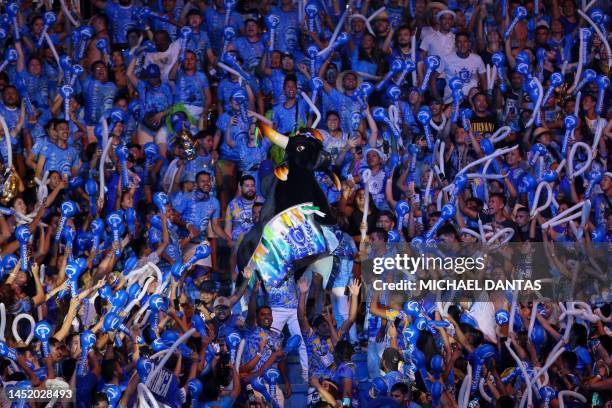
179, 107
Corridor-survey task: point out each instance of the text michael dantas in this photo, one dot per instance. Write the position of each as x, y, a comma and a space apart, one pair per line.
412, 264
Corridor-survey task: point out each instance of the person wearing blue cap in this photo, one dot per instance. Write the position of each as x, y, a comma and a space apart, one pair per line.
191, 87
156, 99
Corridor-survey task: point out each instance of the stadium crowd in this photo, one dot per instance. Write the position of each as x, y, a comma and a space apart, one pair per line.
133, 153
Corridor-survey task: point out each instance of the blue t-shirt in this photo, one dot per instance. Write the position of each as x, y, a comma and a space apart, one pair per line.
99, 98
166, 389
601, 205
215, 23
348, 371
377, 184
11, 116
225, 90
288, 31
120, 18
37, 87
345, 105
250, 52
223, 402
193, 167
361, 65
320, 355
189, 88
37, 129
171, 29
154, 99
198, 210
84, 386
273, 84
290, 119
239, 134
199, 43
240, 213
253, 339
58, 159
250, 157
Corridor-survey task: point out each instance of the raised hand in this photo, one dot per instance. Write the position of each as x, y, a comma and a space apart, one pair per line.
355, 287
303, 285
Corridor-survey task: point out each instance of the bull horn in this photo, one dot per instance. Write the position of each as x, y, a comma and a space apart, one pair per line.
334, 179
275, 137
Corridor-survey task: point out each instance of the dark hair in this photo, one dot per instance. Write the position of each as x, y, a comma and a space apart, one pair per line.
401, 387
138, 245
379, 231
210, 387
523, 209
332, 112
245, 178
478, 201
361, 53
194, 12
92, 66
103, 17
570, 358
396, 33
33, 18
108, 369
387, 214
343, 351
248, 20
462, 34
478, 94
8, 86
132, 30
579, 335
501, 196
505, 401
262, 307
50, 122
202, 173
289, 77
161, 32
448, 229
606, 342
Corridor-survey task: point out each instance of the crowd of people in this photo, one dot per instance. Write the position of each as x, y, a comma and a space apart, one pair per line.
132, 163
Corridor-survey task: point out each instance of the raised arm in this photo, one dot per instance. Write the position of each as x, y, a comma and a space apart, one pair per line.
354, 289
372, 126
260, 118
130, 72
303, 320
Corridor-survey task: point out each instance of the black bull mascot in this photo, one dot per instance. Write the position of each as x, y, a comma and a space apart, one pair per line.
293, 183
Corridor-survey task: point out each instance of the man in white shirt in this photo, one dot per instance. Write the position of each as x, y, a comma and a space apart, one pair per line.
463, 64
166, 55
440, 42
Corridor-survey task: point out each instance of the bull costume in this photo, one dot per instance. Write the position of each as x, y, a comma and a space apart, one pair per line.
293, 230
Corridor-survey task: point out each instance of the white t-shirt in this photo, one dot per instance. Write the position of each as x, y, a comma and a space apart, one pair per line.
164, 60
465, 68
436, 43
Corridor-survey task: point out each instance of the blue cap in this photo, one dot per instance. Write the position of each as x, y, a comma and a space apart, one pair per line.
152, 71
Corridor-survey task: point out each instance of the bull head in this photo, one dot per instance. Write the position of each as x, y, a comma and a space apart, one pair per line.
304, 150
